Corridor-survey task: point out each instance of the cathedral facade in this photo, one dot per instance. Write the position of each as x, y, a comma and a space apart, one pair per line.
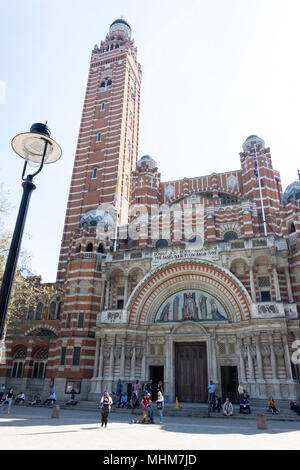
183, 281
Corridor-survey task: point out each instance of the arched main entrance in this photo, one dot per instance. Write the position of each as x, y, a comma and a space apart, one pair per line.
184, 304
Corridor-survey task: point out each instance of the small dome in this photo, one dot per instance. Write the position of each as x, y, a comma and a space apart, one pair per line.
122, 21
120, 25
147, 162
251, 141
291, 192
95, 217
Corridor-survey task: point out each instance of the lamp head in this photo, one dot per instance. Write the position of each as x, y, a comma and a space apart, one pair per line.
31, 145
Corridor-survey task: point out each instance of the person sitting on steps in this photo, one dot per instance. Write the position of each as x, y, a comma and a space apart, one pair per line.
244, 405
227, 408
272, 406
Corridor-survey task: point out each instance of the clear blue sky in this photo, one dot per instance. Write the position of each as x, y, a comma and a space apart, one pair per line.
214, 72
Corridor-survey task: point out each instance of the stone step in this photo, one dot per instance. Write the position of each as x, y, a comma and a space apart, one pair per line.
190, 410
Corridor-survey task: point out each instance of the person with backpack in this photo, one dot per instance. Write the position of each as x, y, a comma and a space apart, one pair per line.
105, 405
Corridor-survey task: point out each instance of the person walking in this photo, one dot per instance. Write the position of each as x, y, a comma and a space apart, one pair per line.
119, 392
106, 403
8, 400
211, 395
160, 406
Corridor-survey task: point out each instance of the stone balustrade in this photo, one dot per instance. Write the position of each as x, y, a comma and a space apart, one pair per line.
111, 317
274, 310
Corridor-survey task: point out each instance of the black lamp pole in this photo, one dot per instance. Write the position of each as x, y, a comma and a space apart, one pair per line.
10, 268
14, 250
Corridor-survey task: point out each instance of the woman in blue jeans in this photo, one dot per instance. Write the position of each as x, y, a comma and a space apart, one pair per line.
160, 405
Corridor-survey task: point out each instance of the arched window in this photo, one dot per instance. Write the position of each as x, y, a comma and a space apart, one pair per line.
108, 85
39, 311
30, 315
161, 244
54, 308
89, 247
102, 85
52, 311
230, 235
100, 248
19, 363
39, 364
292, 228
94, 173
78, 248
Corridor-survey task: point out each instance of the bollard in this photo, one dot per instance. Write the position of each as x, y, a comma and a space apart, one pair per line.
55, 411
261, 421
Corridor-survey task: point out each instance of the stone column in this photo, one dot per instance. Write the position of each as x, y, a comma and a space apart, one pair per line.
167, 371
112, 290
288, 284
96, 358
214, 358
112, 358
252, 285
250, 361
103, 292
107, 294
276, 383
287, 358
273, 357
260, 368
122, 363
100, 370
258, 356
126, 289
132, 364
276, 284
143, 370
242, 364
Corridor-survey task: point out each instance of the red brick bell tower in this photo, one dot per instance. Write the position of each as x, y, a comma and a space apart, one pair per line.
107, 144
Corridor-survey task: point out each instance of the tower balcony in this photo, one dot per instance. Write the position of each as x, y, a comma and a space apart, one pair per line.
254, 243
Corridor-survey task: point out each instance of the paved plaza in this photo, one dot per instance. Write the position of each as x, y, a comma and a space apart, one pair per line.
33, 428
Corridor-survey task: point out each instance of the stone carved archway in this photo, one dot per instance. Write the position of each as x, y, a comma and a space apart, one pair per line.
155, 288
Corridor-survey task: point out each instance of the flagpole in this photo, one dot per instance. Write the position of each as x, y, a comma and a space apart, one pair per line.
260, 193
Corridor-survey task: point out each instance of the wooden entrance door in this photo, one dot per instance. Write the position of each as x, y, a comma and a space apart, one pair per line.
191, 372
229, 382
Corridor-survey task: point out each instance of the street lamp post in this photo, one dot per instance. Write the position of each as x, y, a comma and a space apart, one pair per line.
38, 148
